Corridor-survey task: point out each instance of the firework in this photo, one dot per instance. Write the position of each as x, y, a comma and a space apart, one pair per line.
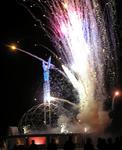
82, 32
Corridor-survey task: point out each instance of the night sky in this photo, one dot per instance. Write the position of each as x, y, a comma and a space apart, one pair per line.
20, 75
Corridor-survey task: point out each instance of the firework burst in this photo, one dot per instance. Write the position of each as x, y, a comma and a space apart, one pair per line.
84, 40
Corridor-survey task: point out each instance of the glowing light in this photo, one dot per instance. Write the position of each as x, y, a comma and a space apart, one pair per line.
38, 140
64, 129
85, 129
65, 5
117, 93
13, 47
26, 129
48, 98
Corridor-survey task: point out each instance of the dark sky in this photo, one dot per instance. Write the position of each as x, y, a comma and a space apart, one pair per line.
20, 74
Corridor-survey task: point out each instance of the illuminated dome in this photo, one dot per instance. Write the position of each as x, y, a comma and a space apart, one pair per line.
43, 118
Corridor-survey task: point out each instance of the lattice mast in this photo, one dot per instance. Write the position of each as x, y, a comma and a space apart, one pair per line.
46, 90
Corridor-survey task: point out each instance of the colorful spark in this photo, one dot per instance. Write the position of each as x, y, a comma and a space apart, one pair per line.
85, 42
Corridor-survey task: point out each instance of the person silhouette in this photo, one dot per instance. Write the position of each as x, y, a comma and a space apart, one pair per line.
33, 146
69, 145
89, 145
52, 145
101, 144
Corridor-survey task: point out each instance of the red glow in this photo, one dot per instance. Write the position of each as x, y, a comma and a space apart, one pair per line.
38, 140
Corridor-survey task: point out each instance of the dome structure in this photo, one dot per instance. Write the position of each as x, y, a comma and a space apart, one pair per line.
44, 118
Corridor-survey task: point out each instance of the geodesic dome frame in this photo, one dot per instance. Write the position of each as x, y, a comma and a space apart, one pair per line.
33, 119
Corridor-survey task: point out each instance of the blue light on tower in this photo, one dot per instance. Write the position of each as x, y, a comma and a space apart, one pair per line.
46, 85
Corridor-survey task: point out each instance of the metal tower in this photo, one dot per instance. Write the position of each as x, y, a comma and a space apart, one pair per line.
46, 90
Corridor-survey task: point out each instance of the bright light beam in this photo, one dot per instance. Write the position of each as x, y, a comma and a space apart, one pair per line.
13, 47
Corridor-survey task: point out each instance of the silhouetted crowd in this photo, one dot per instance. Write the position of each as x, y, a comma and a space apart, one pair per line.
101, 144
109, 143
